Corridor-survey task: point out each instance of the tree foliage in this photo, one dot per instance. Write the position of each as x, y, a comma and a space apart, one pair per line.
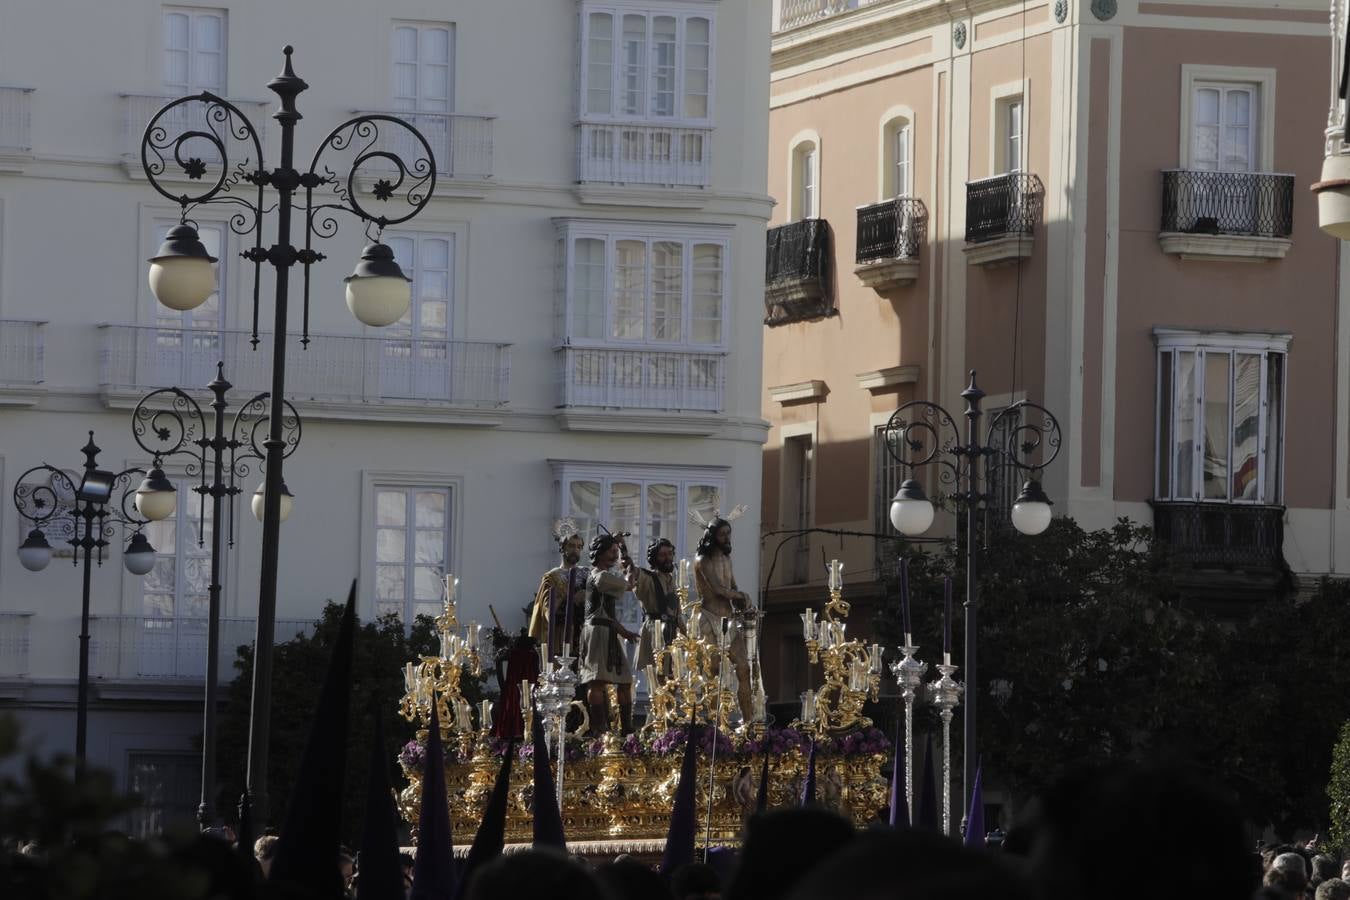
1088, 651
298, 668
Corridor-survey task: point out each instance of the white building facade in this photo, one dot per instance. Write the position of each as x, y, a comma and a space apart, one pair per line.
584, 338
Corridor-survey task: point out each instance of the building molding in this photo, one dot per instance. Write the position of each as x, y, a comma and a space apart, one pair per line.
624, 422
1000, 251
815, 390
1224, 247
892, 376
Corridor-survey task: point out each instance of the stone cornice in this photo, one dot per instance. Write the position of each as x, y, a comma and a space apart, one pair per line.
869, 25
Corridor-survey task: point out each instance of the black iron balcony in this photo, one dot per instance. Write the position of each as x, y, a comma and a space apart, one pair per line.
798, 277
1002, 206
1233, 536
891, 229
1259, 204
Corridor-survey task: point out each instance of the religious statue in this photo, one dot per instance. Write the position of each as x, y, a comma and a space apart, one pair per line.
656, 593
560, 591
721, 598
602, 659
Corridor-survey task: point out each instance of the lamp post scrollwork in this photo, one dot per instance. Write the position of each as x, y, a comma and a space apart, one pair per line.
169, 425
1024, 436
186, 156
86, 515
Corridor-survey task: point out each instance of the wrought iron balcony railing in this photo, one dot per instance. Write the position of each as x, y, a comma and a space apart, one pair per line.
16, 104
792, 13
1222, 535
798, 271
892, 229
1241, 203
21, 352
1008, 204
462, 144
14, 643
334, 368
171, 647
640, 379
614, 153
139, 109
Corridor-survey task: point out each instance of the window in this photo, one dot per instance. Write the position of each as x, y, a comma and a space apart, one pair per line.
1010, 133
1004, 479
194, 51
1220, 417
412, 549
647, 65
806, 181
797, 495
424, 67
178, 584
416, 360
898, 150
168, 785
659, 289
648, 501
1223, 127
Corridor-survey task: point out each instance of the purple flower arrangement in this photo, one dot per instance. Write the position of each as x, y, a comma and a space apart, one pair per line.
413, 756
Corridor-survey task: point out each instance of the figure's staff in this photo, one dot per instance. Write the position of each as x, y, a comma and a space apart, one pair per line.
716, 719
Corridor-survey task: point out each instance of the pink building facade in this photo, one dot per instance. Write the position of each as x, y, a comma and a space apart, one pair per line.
1103, 207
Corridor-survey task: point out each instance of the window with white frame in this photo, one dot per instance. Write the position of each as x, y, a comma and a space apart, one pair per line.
648, 501
663, 288
805, 181
646, 64
1220, 435
187, 345
1224, 120
194, 50
798, 465
178, 585
412, 549
899, 159
423, 76
1010, 129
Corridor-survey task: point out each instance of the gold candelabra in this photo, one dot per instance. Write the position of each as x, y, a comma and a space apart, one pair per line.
437, 680
852, 669
689, 679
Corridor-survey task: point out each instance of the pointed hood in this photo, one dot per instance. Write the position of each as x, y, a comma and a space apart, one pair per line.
307, 850
809, 788
899, 801
548, 826
975, 819
491, 837
434, 869
381, 872
762, 797
928, 803
683, 817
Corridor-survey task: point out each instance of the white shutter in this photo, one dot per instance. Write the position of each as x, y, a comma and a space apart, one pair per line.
423, 76
1223, 127
194, 51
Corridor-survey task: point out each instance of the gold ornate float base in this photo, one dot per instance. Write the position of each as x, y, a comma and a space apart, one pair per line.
619, 797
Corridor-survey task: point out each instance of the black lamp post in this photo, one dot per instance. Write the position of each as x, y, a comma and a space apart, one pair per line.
85, 516
1023, 436
181, 277
169, 424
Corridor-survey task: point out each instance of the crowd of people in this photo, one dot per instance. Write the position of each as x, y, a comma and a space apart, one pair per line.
1102, 833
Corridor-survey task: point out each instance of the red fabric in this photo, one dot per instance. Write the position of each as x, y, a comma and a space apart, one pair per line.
521, 665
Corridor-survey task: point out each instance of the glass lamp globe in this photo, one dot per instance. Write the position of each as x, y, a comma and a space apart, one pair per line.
181, 277
139, 557
1031, 510
156, 498
911, 511
35, 552
378, 293
259, 499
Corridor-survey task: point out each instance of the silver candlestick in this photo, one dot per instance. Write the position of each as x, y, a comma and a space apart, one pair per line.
945, 692
557, 689
909, 674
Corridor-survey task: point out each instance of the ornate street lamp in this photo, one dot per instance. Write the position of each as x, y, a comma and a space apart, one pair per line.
196, 157
169, 424
84, 515
1024, 436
